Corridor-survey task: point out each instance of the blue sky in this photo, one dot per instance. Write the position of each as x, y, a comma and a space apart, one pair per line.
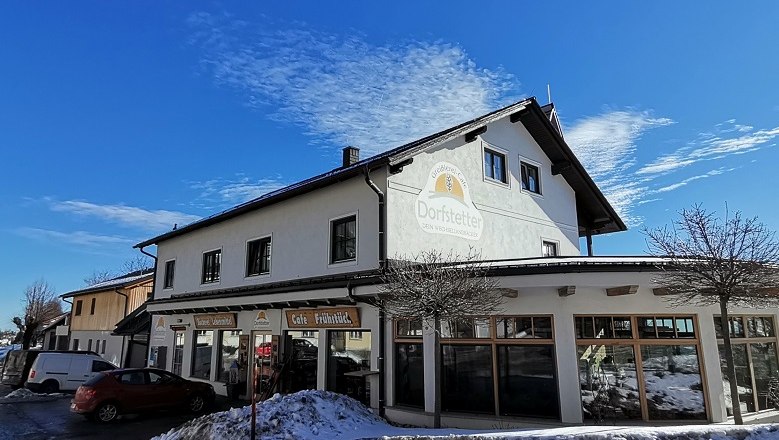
119, 119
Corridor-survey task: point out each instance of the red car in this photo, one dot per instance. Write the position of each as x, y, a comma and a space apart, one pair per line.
133, 390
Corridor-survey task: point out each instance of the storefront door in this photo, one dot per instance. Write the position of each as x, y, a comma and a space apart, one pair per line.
262, 365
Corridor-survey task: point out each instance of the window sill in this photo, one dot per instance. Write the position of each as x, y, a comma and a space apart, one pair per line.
343, 263
532, 194
497, 182
207, 283
258, 275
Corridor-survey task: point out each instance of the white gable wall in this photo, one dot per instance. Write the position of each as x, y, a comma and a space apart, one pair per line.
300, 231
515, 221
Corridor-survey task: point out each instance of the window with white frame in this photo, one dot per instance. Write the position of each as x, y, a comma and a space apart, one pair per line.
495, 165
212, 262
530, 178
549, 248
343, 239
170, 270
258, 257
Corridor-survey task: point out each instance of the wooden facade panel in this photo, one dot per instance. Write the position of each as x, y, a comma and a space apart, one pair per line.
109, 307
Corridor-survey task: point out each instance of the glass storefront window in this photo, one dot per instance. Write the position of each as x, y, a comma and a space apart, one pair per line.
202, 347
603, 327
303, 365
674, 389
527, 382
743, 379
409, 375
609, 382
524, 327
228, 356
349, 357
409, 328
467, 384
766, 368
468, 328
760, 327
736, 327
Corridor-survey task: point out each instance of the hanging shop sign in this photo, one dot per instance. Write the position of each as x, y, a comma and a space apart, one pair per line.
444, 205
339, 317
215, 320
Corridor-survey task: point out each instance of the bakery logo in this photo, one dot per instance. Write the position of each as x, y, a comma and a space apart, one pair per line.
160, 327
444, 205
261, 320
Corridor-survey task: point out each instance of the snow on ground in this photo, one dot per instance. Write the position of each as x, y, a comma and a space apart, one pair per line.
309, 415
25, 395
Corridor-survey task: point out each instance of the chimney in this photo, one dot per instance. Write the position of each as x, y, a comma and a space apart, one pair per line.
351, 155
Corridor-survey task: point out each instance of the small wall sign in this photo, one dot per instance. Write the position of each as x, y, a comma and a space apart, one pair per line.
215, 320
261, 320
338, 317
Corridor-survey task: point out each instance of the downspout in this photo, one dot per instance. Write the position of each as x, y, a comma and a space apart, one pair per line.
126, 300
68, 322
382, 265
589, 242
153, 286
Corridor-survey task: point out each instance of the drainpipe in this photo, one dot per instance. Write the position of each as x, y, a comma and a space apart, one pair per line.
126, 300
153, 286
382, 265
382, 345
68, 322
589, 242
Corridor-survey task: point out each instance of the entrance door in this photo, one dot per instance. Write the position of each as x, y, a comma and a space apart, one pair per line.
263, 351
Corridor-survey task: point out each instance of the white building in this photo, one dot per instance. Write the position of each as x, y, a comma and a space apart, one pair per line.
583, 338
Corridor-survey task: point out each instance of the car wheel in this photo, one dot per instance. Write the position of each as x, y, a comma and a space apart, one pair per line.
106, 412
50, 386
196, 403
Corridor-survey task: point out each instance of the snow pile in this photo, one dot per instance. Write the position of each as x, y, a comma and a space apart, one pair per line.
703, 432
303, 415
25, 395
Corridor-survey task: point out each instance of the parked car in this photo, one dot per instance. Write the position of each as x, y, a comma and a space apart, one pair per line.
53, 372
18, 363
133, 390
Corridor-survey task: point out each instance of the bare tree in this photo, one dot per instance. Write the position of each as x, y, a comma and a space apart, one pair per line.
40, 305
437, 287
139, 262
97, 277
731, 263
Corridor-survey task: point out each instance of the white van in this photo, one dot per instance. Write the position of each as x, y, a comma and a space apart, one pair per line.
53, 372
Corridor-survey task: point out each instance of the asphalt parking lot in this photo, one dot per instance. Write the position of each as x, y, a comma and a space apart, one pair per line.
53, 420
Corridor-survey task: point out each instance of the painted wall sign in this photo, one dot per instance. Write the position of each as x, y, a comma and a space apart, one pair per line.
215, 320
444, 205
340, 317
261, 320
159, 329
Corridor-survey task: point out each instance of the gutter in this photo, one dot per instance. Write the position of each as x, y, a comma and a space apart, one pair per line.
153, 287
126, 300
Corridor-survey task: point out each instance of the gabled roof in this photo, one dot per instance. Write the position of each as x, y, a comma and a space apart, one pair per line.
599, 218
57, 320
128, 279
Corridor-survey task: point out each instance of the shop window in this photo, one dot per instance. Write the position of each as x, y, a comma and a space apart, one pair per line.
346, 358
524, 327
466, 328
671, 388
178, 351
170, 272
527, 379
343, 239
408, 328
229, 365
609, 382
409, 375
202, 347
303, 348
672, 379
258, 257
495, 165
355, 335
755, 358
603, 327
212, 262
530, 179
467, 381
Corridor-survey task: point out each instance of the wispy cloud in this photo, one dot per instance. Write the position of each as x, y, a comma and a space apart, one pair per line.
238, 190
78, 238
344, 90
130, 216
607, 146
711, 146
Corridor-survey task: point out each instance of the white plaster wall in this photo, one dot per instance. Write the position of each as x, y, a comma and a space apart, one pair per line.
515, 221
300, 230
113, 349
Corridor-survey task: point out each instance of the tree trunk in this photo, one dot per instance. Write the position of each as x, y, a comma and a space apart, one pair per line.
730, 364
437, 375
27, 336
